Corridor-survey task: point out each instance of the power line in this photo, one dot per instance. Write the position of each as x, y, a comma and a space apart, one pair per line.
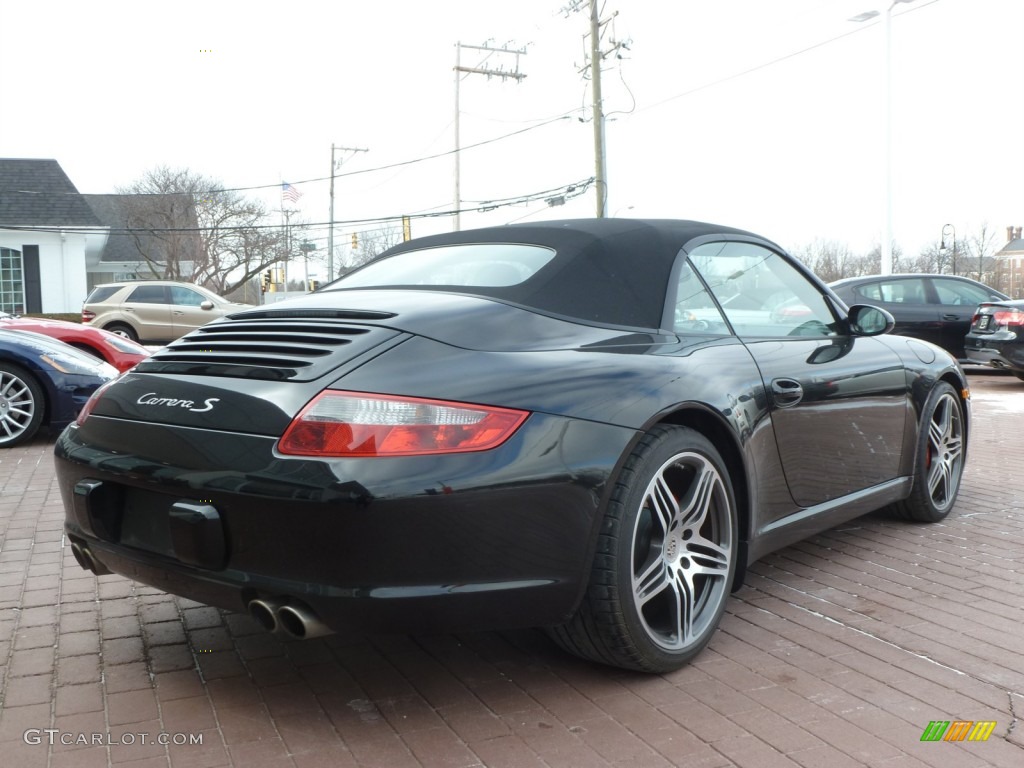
773, 62
567, 191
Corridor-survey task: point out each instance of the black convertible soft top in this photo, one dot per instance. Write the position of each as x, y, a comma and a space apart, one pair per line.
608, 271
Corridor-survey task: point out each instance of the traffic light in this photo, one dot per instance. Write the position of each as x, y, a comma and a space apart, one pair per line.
313, 284
267, 280
355, 240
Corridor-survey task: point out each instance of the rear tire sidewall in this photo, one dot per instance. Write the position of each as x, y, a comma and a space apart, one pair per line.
669, 442
123, 329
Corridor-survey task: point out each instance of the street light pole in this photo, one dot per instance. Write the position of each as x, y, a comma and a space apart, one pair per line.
886, 14
942, 242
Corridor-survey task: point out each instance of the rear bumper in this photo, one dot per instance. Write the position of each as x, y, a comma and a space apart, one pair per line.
497, 539
995, 352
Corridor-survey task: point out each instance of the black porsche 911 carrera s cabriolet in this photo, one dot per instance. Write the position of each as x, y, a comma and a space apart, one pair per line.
591, 426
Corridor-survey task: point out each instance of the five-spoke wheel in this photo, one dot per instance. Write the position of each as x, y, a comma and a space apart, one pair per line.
940, 458
666, 557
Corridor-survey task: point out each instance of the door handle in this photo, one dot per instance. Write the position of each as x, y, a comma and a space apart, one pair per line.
951, 317
787, 392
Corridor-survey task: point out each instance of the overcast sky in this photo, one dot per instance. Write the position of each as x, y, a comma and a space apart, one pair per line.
759, 114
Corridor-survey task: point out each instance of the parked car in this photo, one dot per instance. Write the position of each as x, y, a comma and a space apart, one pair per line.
592, 426
936, 308
997, 336
120, 352
43, 382
153, 311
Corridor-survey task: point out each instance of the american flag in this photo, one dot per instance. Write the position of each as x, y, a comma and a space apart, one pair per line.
290, 193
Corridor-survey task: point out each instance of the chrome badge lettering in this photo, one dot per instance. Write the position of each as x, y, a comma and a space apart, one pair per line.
151, 398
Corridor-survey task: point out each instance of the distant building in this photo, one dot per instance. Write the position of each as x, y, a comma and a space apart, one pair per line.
49, 229
1010, 264
146, 231
46, 228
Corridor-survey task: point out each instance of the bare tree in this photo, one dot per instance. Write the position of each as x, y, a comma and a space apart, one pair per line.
370, 243
831, 261
230, 239
980, 247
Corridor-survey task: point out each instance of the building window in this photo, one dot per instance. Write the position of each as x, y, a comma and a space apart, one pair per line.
12, 284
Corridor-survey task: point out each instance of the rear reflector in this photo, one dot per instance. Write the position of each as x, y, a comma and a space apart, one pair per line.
357, 424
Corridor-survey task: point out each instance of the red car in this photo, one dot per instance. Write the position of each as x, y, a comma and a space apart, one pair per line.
120, 352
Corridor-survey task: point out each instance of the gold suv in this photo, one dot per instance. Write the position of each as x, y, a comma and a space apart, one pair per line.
153, 311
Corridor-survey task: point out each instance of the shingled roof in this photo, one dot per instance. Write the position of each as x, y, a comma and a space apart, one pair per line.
35, 192
122, 213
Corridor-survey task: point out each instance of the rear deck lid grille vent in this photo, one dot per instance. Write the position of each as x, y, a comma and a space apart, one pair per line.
275, 345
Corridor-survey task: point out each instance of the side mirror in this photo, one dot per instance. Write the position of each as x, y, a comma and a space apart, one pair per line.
866, 320
206, 304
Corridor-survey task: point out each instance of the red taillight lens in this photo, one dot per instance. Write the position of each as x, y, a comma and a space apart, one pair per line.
356, 424
88, 317
1008, 317
90, 404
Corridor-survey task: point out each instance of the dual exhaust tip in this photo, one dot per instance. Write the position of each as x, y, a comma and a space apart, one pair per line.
288, 619
273, 615
85, 559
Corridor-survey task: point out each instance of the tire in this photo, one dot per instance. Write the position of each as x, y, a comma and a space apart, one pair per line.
665, 558
122, 329
940, 459
21, 405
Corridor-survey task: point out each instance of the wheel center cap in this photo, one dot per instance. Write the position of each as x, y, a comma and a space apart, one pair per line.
672, 549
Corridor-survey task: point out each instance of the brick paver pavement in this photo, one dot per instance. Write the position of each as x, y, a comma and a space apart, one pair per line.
838, 652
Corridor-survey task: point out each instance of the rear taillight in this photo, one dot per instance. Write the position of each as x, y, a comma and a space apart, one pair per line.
87, 316
1001, 317
1008, 317
90, 404
356, 424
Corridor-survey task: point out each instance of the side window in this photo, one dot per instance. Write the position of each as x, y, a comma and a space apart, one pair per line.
695, 310
899, 291
870, 291
149, 294
185, 296
762, 294
962, 294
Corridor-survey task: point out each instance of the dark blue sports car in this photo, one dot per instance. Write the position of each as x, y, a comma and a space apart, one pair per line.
43, 381
592, 426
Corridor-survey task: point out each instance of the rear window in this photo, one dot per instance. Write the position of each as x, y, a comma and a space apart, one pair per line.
102, 293
473, 265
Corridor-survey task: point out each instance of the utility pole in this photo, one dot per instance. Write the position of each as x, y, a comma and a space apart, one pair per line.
480, 69
600, 166
596, 56
330, 230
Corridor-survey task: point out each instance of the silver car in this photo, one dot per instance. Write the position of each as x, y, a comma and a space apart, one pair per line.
153, 311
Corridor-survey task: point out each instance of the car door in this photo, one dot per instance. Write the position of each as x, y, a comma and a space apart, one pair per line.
956, 302
147, 309
837, 402
187, 311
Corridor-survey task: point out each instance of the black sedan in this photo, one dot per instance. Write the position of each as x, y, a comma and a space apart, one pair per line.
43, 382
997, 336
936, 308
592, 426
